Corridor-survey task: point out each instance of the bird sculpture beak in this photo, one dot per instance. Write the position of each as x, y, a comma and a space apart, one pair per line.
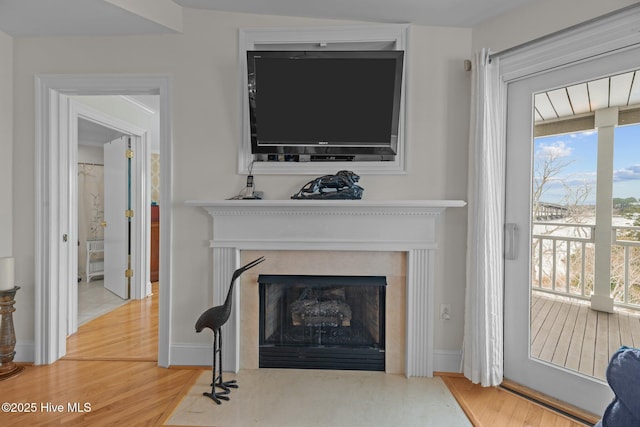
251, 264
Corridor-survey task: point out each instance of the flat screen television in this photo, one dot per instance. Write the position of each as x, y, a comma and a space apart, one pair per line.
325, 103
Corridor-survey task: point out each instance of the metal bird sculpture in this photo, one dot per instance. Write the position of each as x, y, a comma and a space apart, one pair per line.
213, 319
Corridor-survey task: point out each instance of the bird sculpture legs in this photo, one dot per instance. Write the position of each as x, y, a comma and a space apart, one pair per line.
225, 385
216, 380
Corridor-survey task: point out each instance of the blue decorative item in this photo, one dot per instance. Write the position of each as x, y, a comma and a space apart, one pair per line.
623, 376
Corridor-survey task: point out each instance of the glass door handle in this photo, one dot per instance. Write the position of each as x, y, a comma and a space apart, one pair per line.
510, 241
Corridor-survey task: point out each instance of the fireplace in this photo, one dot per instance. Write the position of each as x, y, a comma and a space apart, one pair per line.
331, 227
322, 322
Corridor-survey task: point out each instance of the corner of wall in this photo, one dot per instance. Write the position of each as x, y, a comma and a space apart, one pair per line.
6, 145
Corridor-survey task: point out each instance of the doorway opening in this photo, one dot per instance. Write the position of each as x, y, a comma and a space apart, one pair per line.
112, 132
108, 182
56, 261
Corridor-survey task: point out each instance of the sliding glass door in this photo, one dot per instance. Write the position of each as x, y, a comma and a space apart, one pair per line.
572, 292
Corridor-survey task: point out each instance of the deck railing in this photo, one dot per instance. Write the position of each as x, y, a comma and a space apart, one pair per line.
563, 258
626, 240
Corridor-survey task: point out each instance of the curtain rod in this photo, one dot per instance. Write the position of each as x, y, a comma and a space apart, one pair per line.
468, 63
566, 30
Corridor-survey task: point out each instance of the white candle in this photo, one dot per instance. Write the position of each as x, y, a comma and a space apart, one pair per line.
6, 274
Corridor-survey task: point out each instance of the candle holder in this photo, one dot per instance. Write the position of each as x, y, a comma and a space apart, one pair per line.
8, 369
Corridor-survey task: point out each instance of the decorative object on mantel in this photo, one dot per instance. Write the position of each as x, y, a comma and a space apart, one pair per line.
342, 185
213, 319
8, 291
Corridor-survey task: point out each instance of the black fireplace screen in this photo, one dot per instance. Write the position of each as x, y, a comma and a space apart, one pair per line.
330, 322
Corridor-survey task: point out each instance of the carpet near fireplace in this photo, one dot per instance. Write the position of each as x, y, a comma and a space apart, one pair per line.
312, 398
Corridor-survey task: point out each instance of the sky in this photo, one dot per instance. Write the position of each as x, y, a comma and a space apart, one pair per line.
576, 156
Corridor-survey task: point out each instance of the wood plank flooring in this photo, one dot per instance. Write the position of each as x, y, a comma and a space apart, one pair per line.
498, 407
568, 333
127, 393
129, 332
111, 367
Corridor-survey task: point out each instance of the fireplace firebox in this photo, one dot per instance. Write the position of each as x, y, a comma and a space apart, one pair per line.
322, 322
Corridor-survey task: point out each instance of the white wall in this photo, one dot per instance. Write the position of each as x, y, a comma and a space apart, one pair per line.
90, 154
6, 145
203, 66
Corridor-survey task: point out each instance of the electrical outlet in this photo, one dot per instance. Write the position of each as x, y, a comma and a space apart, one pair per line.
445, 311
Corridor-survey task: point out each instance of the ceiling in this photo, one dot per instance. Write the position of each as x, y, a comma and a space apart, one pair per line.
622, 90
94, 134
44, 18
447, 13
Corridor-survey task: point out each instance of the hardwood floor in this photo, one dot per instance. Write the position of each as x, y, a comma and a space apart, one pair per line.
568, 333
129, 332
127, 393
497, 407
111, 368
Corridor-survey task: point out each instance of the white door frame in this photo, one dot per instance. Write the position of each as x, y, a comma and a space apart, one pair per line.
141, 198
53, 206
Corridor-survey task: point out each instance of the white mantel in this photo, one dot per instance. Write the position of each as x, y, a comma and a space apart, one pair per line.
410, 226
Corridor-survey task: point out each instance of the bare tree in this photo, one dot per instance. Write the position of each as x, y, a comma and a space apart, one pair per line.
549, 171
545, 172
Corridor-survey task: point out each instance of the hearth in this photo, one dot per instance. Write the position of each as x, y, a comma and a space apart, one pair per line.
322, 322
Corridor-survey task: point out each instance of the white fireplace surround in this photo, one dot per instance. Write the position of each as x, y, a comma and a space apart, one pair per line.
409, 226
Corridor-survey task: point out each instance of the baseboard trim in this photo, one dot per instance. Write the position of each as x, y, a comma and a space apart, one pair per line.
190, 355
200, 355
25, 352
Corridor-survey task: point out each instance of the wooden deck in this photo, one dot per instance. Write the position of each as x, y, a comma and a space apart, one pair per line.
568, 333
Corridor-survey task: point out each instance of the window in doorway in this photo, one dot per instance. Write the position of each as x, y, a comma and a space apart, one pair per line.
586, 222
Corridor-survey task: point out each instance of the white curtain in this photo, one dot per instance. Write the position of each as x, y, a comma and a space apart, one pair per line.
483, 337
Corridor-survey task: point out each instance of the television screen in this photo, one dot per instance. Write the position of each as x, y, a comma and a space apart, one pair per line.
324, 102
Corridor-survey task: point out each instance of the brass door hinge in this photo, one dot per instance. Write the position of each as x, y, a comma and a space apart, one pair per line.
128, 273
129, 153
128, 213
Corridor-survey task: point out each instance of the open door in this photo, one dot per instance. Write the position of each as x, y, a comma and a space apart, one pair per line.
117, 171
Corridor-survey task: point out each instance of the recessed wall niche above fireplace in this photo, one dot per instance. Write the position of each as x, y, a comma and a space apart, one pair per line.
363, 38
322, 322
